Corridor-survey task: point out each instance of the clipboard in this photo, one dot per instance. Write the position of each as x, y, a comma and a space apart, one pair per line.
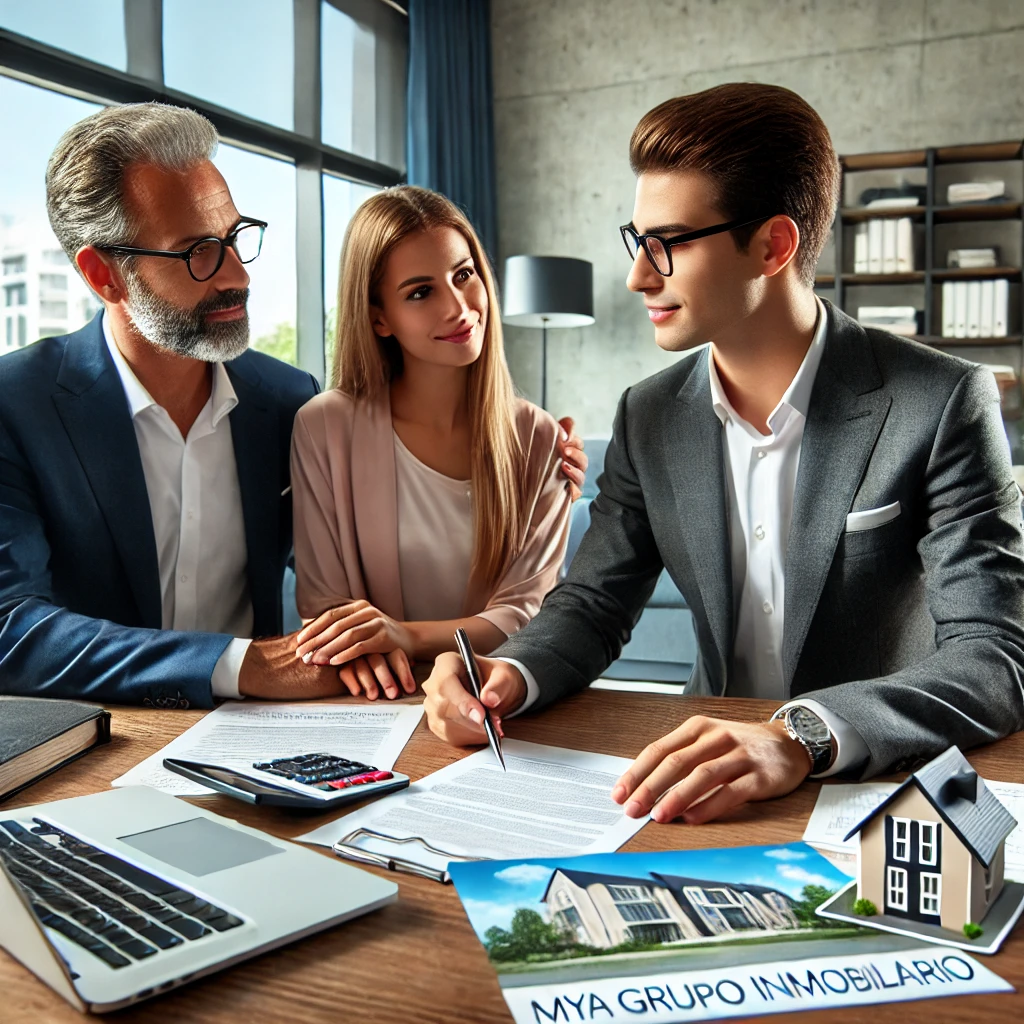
346, 847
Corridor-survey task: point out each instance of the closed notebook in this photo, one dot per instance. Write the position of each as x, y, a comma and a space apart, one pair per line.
39, 736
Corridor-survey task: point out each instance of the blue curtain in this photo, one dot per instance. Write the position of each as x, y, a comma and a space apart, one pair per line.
450, 137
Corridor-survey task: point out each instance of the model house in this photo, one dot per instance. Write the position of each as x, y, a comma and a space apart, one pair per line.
607, 910
933, 851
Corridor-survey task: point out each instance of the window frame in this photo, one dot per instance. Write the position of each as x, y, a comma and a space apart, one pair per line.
936, 896
891, 872
932, 844
905, 822
47, 67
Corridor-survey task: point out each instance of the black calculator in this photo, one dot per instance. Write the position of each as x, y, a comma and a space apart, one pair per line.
306, 781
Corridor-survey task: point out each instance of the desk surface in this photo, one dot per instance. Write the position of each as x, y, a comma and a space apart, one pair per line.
418, 959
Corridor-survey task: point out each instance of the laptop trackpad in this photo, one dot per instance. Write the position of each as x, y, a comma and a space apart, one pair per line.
201, 846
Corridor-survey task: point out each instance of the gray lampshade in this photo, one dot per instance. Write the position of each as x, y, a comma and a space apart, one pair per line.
548, 291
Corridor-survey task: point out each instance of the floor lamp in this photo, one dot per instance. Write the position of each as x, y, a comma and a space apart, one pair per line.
548, 291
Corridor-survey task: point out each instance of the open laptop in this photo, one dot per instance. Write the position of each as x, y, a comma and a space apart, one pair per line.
115, 897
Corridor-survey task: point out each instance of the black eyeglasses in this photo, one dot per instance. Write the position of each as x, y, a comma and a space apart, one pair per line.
205, 257
659, 249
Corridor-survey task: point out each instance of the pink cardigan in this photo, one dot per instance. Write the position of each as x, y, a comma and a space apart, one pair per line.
346, 513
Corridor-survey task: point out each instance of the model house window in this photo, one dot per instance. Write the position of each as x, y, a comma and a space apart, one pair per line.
930, 892
988, 885
901, 838
896, 888
928, 834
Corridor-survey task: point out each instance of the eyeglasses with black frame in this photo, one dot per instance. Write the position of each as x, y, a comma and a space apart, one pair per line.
206, 256
659, 249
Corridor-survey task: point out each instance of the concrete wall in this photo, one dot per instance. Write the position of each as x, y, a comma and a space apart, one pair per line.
572, 78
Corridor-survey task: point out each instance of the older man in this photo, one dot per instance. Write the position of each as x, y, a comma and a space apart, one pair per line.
145, 508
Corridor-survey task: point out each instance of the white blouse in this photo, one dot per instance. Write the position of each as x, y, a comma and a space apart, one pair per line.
435, 539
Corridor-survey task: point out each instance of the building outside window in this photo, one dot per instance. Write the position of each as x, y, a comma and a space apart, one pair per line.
14, 265
15, 295
56, 282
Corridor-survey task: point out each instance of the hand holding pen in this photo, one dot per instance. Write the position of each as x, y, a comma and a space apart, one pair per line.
454, 714
469, 660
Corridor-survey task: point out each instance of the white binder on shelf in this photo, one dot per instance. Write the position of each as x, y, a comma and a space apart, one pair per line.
874, 247
860, 248
904, 245
988, 308
1001, 307
973, 309
889, 246
948, 313
960, 309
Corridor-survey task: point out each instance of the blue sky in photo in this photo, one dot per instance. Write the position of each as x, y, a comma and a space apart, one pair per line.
492, 891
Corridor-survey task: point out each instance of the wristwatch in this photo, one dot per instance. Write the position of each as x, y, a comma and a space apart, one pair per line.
804, 726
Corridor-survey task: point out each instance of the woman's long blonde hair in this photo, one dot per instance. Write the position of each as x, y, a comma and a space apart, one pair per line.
365, 364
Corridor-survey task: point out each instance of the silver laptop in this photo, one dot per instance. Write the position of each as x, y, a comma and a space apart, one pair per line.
116, 897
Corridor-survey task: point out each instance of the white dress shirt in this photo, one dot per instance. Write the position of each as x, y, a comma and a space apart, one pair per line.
196, 506
760, 477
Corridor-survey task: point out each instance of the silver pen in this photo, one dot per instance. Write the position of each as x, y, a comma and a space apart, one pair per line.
469, 659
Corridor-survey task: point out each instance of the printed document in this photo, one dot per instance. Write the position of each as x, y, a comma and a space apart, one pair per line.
551, 802
840, 807
236, 735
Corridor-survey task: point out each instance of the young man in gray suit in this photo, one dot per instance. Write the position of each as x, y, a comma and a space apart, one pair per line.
836, 504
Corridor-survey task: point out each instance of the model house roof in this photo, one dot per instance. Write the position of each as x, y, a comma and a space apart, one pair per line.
962, 800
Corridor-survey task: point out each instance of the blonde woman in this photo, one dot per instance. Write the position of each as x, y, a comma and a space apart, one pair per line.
426, 495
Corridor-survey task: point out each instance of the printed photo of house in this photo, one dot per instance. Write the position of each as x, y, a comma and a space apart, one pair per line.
604, 911
933, 851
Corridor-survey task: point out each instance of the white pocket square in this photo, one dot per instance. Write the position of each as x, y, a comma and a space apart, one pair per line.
872, 517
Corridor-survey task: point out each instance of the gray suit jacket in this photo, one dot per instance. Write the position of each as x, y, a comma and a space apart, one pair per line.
912, 631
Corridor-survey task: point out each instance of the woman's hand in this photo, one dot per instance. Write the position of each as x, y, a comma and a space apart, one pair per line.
374, 672
574, 460
350, 631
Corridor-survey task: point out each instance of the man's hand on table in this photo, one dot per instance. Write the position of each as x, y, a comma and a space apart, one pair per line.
270, 671
734, 762
454, 714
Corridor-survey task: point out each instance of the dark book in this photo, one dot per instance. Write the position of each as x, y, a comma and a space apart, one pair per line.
39, 736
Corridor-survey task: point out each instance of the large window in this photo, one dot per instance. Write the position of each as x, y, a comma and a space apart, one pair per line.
301, 146
93, 29
238, 54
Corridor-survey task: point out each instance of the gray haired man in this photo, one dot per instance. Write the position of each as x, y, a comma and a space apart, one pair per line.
145, 515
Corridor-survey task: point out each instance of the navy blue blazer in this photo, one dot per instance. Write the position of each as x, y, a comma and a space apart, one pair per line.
80, 606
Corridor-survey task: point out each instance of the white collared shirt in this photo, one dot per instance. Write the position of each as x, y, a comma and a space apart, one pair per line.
196, 505
760, 478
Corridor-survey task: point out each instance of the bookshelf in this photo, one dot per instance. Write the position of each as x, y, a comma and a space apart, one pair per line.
938, 227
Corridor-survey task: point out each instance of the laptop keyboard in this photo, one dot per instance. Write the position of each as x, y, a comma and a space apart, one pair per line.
111, 908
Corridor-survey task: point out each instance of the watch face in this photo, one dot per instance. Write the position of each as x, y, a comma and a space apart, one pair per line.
809, 726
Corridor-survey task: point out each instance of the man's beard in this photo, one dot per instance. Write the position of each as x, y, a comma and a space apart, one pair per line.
185, 332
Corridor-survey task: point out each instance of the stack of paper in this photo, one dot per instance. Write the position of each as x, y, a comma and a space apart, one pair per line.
975, 309
895, 319
972, 259
975, 191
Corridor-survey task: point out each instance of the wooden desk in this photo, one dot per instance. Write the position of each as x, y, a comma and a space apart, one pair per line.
419, 960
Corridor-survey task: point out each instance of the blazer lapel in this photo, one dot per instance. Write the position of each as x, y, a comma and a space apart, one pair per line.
91, 403
375, 503
847, 410
698, 483
254, 437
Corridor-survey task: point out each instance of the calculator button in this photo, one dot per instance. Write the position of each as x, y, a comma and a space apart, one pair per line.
381, 776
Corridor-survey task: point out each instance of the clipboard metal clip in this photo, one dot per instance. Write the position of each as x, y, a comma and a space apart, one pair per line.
345, 847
